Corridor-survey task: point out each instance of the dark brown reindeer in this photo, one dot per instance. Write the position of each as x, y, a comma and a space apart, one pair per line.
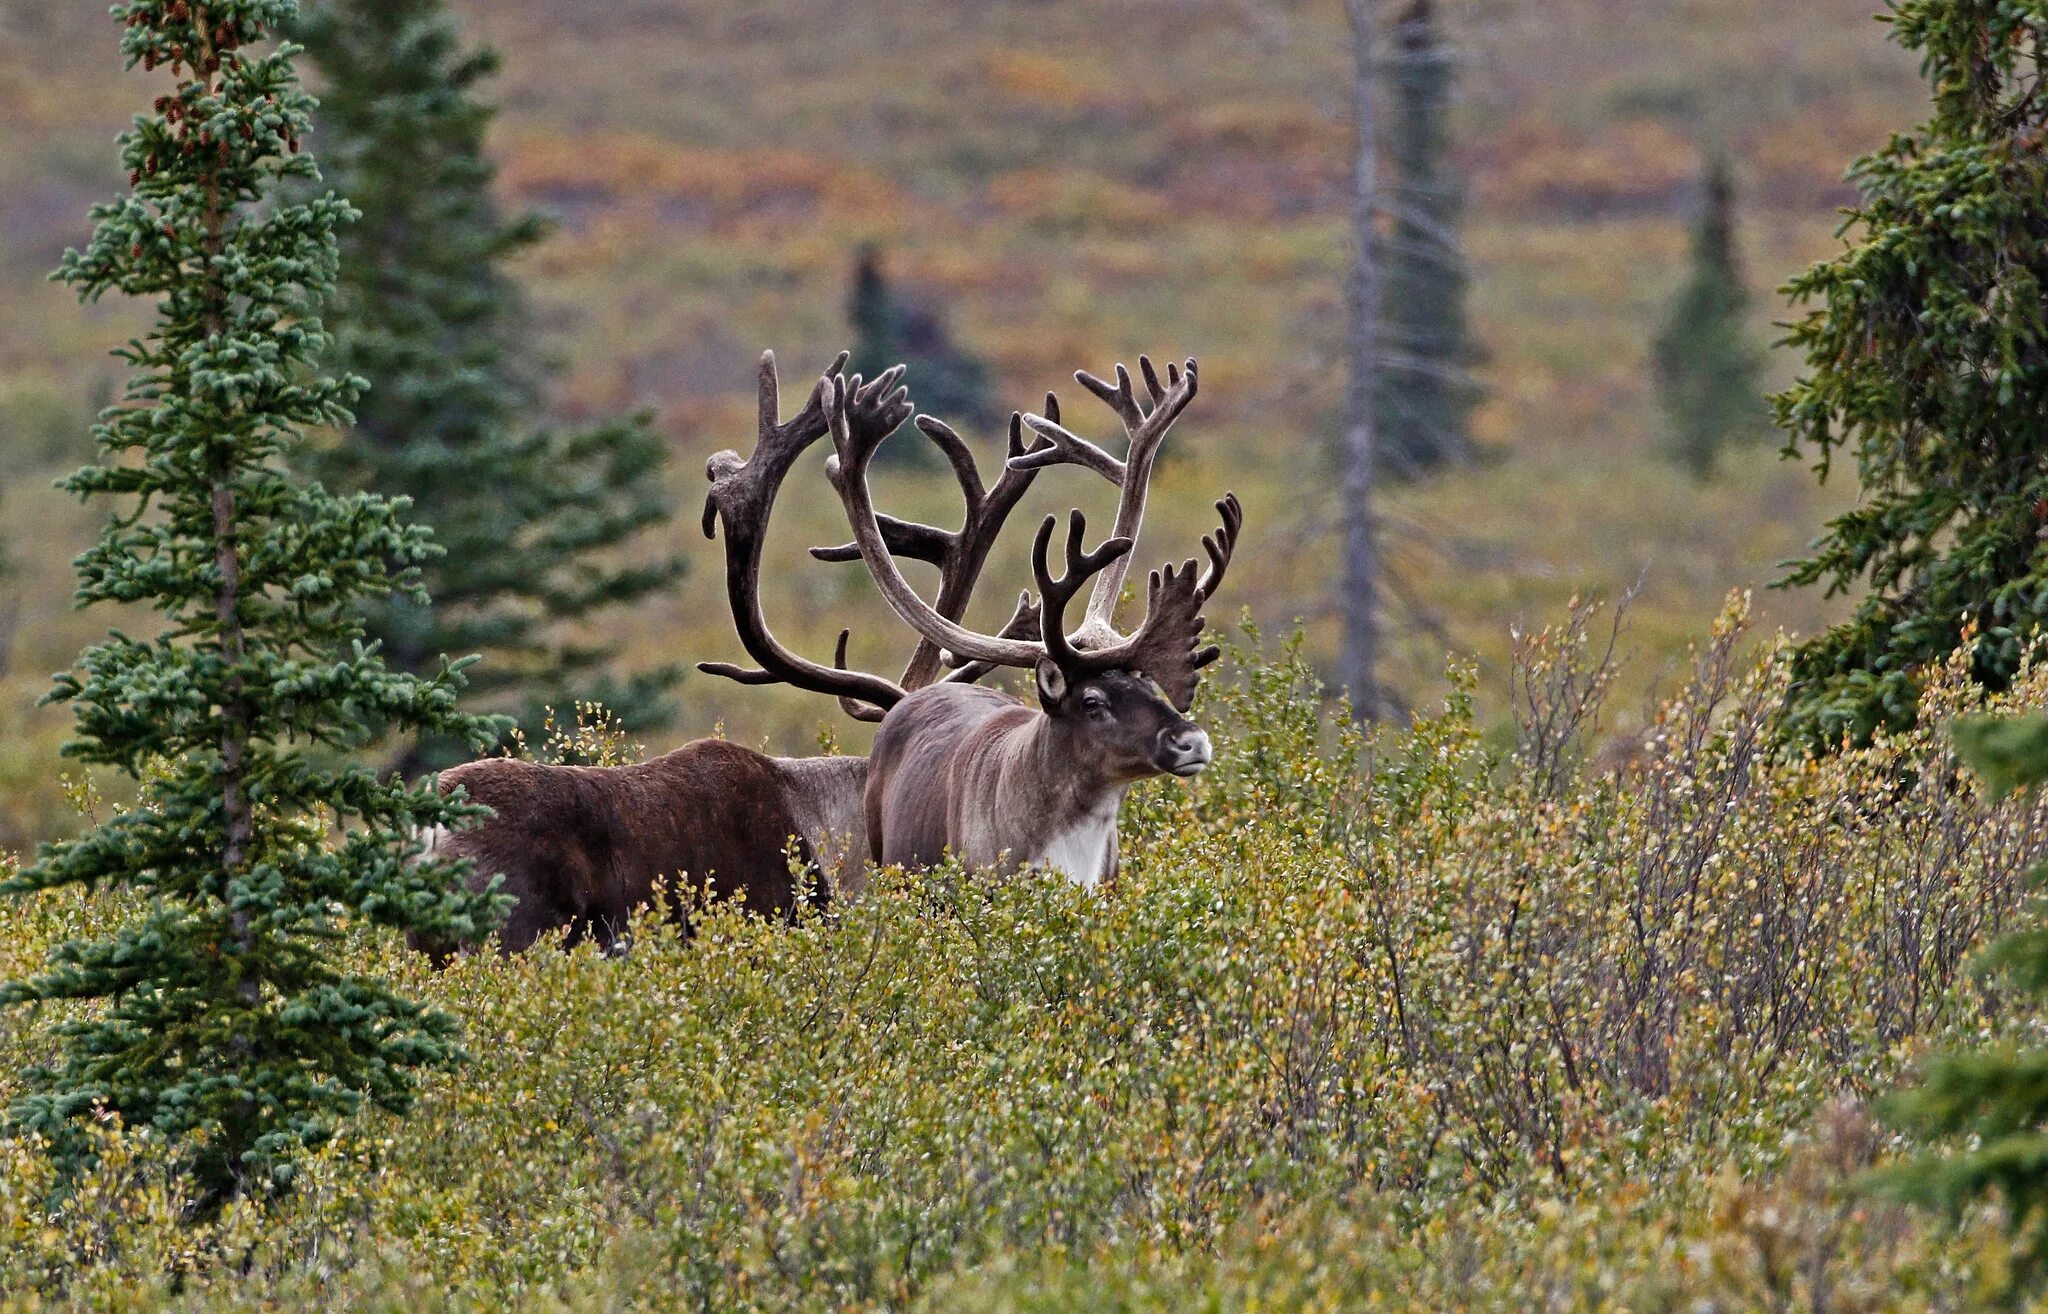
579, 848
975, 772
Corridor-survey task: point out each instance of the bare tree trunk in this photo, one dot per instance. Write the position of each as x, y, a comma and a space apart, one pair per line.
1360, 609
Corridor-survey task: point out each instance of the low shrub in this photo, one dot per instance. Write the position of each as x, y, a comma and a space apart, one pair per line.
1414, 1015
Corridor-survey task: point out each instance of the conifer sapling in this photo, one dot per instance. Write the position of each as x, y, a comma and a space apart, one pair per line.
532, 517
1709, 370
1927, 361
219, 1014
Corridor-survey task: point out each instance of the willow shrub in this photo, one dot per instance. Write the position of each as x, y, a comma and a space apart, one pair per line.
1411, 1014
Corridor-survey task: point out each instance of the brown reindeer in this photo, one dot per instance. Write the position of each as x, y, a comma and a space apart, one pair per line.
977, 773
579, 848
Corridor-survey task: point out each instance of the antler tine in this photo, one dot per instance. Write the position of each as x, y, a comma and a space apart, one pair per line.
1152, 378
857, 430
1056, 592
1059, 446
1023, 624
1019, 445
906, 538
858, 711
1145, 429
741, 497
1220, 545
1219, 548
955, 450
1065, 447
1119, 397
1163, 646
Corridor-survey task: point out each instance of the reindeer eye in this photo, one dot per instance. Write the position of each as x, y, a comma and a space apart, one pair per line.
1094, 704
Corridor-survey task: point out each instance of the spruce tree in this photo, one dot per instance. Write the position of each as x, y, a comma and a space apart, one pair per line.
1991, 1105
1425, 394
951, 381
1708, 368
225, 1019
531, 518
1927, 360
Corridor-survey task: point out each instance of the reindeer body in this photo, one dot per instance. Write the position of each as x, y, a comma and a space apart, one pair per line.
958, 768
580, 848
972, 771
949, 762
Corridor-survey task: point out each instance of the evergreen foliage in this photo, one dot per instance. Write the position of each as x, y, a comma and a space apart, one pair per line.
951, 382
1708, 369
530, 518
1927, 360
1995, 1101
1425, 395
228, 1020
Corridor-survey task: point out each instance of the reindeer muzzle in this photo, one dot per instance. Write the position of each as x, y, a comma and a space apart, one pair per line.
1186, 753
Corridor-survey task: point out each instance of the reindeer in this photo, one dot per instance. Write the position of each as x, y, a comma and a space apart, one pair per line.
578, 848
975, 772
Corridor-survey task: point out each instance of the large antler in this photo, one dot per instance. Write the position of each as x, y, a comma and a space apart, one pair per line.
742, 495
1055, 592
1145, 429
1164, 646
960, 554
858, 417
855, 437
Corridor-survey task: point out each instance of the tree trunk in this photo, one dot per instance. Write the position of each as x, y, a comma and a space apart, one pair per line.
235, 716
1360, 608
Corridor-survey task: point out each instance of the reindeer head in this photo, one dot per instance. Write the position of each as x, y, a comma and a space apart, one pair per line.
1119, 700
1123, 704
1121, 724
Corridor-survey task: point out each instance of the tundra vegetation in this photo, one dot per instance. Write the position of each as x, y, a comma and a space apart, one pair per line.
1445, 1012
1490, 1024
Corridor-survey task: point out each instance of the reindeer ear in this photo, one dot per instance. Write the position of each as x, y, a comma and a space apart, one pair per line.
1052, 683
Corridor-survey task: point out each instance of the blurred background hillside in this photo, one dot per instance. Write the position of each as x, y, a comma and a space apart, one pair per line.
1075, 183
